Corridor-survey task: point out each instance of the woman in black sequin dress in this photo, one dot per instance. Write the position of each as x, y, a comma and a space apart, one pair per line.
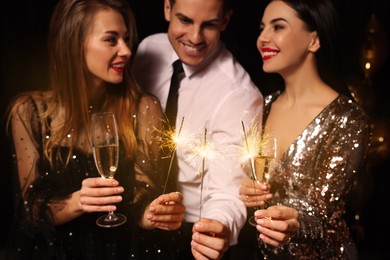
58, 191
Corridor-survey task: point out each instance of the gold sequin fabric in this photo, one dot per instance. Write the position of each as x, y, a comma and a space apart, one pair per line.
315, 175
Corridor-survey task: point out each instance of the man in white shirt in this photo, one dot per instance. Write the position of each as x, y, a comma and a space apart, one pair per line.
215, 94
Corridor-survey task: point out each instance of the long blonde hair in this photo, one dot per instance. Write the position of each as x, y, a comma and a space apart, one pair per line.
69, 76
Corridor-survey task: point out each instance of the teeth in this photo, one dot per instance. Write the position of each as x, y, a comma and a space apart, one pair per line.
190, 48
269, 53
118, 65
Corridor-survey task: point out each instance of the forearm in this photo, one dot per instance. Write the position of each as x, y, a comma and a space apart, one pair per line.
67, 209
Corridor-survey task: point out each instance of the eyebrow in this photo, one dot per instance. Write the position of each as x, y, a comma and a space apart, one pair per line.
278, 20
112, 32
181, 15
273, 21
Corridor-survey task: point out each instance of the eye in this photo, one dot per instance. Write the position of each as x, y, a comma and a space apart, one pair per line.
185, 20
111, 40
278, 27
210, 25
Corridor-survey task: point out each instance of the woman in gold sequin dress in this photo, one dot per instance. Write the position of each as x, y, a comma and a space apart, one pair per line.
59, 193
322, 134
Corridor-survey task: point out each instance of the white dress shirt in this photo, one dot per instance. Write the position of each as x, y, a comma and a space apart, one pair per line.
216, 97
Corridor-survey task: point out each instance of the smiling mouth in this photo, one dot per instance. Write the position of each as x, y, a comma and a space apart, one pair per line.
192, 48
118, 67
269, 54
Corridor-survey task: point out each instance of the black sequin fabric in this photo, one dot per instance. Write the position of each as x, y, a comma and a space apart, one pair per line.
38, 183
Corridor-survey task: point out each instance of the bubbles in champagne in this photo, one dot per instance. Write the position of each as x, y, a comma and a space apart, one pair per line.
263, 168
106, 157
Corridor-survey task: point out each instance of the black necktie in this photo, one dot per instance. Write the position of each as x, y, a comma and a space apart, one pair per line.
171, 107
171, 113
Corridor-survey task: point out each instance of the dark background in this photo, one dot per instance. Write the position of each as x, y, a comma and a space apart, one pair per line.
23, 33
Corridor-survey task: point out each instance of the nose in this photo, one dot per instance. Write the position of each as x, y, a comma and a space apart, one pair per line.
195, 34
124, 50
259, 42
262, 39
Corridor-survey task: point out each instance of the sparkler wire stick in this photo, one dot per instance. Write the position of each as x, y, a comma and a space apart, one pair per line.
249, 153
173, 152
203, 154
251, 163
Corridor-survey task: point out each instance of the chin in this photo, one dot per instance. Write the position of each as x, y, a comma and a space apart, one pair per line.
267, 69
115, 81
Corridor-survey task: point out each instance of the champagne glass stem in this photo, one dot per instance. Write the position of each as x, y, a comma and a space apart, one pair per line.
111, 216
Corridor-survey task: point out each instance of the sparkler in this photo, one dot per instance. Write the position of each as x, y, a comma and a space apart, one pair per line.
171, 139
196, 150
260, 151
203, 155
252, 146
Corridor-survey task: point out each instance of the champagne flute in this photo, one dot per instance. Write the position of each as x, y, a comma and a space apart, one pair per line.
105, 142
264, 163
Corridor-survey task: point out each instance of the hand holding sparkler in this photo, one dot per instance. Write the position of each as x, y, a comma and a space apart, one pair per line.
210, 239
165, 212
260, 152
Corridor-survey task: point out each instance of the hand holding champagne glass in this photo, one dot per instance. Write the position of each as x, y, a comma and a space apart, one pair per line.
264, 162
105, 142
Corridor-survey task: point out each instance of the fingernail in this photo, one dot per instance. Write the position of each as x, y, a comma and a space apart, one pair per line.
195, 236
198, 226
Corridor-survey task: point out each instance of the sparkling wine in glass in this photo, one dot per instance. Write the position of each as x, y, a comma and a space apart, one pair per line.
264, 162
106, 154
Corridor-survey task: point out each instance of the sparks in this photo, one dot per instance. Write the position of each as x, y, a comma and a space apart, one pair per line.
251, 146
170, 139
